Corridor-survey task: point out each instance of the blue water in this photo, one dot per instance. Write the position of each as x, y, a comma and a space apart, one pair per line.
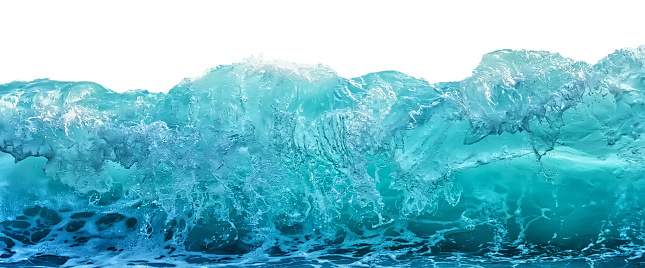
535, 159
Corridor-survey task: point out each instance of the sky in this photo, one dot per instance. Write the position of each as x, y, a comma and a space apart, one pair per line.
153, 45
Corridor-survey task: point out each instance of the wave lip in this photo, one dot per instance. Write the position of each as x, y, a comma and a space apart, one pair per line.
509, 89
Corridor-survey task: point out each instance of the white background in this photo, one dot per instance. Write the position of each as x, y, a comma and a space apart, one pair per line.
154, 44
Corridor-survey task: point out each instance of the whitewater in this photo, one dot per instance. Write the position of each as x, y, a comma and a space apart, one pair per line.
535, 159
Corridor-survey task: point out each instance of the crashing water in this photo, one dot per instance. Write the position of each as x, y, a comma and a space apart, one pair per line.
535, 159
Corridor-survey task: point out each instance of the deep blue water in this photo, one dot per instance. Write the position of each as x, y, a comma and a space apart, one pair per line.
535, 159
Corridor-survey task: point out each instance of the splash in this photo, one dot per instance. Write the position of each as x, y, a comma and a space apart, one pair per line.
534, 159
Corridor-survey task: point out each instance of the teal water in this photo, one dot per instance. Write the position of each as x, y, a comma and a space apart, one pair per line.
535, 159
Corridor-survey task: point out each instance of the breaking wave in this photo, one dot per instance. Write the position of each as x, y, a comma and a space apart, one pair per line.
535, 158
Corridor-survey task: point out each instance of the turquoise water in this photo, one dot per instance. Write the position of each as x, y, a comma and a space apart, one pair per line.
535, 159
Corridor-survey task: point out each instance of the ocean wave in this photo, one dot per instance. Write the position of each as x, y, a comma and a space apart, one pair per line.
535, 158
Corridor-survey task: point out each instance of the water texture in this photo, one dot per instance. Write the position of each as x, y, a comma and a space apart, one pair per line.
535, 159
